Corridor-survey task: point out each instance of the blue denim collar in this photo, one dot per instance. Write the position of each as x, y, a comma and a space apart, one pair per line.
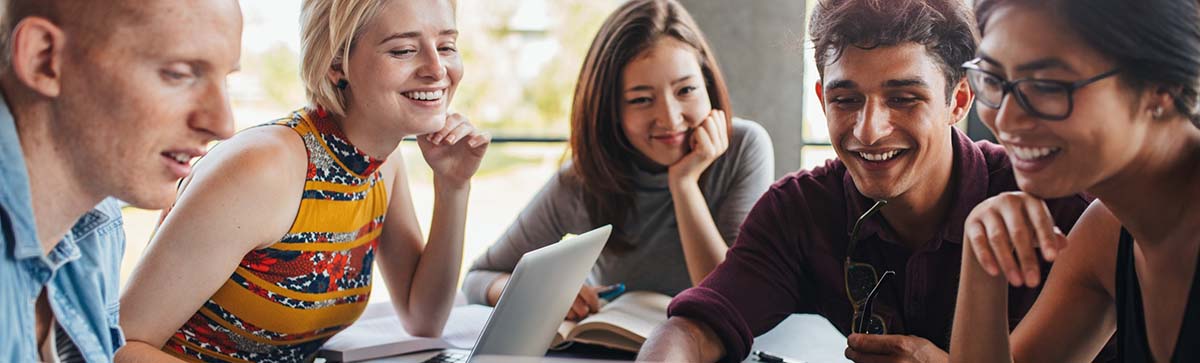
67, 250
15, 196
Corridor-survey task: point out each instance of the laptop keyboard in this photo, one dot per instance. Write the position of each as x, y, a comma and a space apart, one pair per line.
447, 357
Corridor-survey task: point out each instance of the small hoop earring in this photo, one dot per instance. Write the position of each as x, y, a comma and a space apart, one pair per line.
342, 84
1158, 112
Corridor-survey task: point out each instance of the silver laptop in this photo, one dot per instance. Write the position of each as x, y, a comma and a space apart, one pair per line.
538, 296
534, 302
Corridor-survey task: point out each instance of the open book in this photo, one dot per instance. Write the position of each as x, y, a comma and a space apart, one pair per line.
621, 324
379, 333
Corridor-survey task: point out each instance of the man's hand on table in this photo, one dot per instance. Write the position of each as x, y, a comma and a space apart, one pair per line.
873, 348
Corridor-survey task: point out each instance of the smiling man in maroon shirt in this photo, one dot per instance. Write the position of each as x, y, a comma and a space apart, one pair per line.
892, 89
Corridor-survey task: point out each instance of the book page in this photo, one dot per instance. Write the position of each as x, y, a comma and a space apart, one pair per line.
560, 341
637, 313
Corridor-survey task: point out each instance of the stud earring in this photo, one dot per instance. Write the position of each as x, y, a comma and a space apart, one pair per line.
342, 83
1158, 112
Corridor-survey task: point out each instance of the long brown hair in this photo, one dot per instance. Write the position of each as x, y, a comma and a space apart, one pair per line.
601, 155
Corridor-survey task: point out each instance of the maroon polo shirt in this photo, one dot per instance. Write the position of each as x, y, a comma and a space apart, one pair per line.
790, 254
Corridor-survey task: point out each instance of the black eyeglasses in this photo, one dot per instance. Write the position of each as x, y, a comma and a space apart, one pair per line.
1042, 98
863, 282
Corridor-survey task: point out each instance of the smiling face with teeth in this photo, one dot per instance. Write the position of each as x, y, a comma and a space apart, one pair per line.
402, 72
889, 119
1103, 133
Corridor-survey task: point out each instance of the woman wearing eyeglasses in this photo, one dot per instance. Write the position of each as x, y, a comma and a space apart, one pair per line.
1097, 96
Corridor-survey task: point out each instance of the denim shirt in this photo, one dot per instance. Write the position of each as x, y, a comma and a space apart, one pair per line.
81, 274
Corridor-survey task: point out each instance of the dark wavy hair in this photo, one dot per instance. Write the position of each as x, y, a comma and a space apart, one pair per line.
1155, 43
601, 156
945, 27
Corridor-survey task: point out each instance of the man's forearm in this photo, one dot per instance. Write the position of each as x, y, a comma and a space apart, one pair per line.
682, 340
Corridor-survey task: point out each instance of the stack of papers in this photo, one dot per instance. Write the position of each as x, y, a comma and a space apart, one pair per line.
379, 333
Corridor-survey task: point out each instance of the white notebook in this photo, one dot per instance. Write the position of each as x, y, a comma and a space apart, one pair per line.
378, 333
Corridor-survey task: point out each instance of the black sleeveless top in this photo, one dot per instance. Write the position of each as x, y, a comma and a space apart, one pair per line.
1132, 345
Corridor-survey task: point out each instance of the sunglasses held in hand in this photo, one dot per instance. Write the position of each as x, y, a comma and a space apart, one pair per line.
863, 282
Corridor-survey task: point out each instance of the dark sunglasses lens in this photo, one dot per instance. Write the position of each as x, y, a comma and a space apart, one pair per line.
1048, 99
874, 325
989, 89
860, 279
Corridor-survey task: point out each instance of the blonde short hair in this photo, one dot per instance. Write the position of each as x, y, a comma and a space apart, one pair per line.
328, 29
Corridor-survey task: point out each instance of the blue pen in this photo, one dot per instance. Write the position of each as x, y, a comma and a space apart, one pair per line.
612, 291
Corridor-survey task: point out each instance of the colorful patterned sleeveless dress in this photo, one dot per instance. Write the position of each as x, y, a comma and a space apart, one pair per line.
284, 301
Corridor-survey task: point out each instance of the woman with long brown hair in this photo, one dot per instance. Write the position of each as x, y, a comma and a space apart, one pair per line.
655, 151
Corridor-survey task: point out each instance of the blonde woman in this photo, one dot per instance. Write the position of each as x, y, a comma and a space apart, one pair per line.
268, 250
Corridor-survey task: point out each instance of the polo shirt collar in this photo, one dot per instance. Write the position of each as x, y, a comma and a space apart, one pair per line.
969, 178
